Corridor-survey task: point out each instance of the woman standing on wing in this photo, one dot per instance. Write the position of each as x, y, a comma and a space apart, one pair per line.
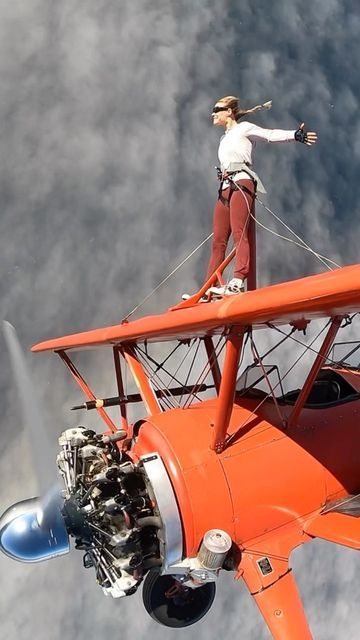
236, 196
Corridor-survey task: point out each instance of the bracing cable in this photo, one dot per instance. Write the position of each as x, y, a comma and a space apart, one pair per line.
300, 243
306, 348
167, 277
206, 370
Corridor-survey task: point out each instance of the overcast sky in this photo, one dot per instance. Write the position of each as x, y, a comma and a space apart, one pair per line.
107, 182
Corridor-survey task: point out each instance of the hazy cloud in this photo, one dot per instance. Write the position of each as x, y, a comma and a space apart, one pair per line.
107, 182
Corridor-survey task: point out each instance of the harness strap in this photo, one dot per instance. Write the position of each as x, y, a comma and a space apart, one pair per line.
237, 167
234, 186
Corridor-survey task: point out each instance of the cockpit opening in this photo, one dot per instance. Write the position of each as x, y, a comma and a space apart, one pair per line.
331, 386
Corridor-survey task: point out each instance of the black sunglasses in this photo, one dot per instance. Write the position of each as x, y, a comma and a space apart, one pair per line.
217, 109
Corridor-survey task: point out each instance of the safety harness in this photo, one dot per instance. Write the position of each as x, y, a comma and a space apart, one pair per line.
227, 175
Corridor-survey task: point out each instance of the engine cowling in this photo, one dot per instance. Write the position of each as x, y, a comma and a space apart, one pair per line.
123, 515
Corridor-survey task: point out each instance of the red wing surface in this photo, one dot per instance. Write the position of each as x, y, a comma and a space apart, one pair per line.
325, 295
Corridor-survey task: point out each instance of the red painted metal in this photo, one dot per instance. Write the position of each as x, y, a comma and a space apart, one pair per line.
263, 490
319, 361
142, 381
217, 276
86, 389
234, 343
281, 607
336, 527
269, 489
327, 294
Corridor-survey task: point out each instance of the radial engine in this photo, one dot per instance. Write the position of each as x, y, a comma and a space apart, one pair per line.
124, 517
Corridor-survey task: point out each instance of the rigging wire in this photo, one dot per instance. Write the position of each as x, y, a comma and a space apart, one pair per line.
341, 503
302, 244
191, 367
206, 370
167, 400
167, 277
278, 343
161, 364
347, 368
279, 383
155, 375
158, 367
307, 348
267, 378
247, 338
186, 355
344, 366
298, 244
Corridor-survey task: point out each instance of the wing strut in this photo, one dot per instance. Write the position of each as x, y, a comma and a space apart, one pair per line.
217, 276
318, 363
225, 403
86, 389
142, 381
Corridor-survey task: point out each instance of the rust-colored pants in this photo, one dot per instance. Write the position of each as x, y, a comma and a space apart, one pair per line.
232, 218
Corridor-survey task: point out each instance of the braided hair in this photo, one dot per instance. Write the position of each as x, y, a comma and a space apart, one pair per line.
232, 102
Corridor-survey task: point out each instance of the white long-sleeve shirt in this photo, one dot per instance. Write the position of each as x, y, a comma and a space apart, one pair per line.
238, 142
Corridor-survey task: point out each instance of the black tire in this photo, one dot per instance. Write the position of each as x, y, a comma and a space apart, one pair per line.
186, 608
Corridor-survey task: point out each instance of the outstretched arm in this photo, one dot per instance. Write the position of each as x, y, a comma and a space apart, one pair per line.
254, 132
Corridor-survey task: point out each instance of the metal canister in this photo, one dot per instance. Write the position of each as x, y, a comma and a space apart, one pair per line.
214, 548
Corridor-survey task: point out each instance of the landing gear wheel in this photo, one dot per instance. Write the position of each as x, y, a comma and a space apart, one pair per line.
172, 604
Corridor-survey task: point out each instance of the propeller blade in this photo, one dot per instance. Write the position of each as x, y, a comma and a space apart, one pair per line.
33, 530
50, 507
42, 452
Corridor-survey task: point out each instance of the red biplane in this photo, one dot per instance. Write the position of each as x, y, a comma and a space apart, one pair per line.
218, 473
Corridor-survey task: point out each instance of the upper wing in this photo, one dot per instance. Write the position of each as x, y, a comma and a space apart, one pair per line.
328, 294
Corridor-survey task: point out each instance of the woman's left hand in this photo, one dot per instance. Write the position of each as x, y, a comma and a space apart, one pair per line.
306, 137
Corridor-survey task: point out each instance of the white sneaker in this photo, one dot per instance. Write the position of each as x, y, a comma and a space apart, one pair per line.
187, 296
236, 285
218, 291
